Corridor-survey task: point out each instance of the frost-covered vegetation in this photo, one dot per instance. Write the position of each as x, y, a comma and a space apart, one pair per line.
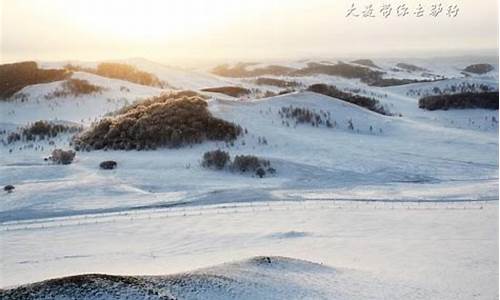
488, 100
121, 71
62, 157
163, 121
332, 91
16, 76
75, 88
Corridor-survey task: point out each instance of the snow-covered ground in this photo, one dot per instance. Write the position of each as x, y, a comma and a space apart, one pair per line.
368, 251
398, 207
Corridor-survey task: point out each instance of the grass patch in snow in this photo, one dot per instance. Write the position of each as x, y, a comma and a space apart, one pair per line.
75, 88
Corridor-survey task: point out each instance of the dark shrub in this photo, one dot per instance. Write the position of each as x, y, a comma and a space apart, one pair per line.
108, 165
233, 91
479, 68
9, 188
248, 163
14, 77
219, 159
487, 100
63, 157
216, 159
157, 122
332, 91
13, 137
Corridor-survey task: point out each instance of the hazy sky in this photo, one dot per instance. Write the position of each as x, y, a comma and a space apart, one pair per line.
180, 30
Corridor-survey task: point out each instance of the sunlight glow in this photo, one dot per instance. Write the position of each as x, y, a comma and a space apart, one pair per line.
144, 20
227, 29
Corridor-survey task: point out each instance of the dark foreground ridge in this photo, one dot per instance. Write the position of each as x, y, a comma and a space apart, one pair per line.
225, 281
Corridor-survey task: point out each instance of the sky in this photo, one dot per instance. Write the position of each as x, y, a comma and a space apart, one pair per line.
186, 31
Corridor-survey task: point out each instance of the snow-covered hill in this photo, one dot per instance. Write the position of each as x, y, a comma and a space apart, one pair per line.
256, 278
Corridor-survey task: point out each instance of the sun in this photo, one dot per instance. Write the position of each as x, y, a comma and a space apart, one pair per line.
148, 20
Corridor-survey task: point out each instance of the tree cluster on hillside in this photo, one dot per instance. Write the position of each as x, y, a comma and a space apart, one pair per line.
44, 129
233, 91
332, 91
487, 100
16, 76
240, 70
479, 68
463, 87
305, 115
276, 82
121, 71
220, 160
365, 62
410, 67
41, 130
75, 88
158, 122
365, 74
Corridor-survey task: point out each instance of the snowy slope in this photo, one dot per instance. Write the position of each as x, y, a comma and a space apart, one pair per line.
256, 278
327, 160
175, 77
84, 109
390, 206
367, 250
